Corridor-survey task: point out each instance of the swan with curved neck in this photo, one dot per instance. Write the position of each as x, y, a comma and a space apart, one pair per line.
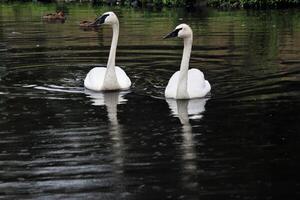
111, 77
185, 83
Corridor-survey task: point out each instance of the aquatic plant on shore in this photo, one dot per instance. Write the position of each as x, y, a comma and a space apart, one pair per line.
225, 4
195, 3
253, 3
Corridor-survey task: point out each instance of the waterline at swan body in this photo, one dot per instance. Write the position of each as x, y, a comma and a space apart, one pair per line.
95, 80
185, 83
197, 86
110, 77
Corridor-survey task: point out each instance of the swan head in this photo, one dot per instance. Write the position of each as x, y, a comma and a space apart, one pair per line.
107, 18
181, 31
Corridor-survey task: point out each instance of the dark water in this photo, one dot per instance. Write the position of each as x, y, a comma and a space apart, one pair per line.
59, 141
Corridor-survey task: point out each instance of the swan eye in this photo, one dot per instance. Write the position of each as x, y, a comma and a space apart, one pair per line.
177, 30
101, 19
173, 34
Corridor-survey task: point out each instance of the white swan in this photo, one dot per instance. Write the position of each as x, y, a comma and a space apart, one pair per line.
186, 84
111, 77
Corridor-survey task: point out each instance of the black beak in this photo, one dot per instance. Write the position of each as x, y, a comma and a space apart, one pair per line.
100, 20
173, 33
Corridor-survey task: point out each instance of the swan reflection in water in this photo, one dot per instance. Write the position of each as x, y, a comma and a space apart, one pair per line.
186, 110
110, 100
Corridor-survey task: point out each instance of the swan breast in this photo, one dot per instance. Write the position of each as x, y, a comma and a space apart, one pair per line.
122, 78
95, 79
197, 86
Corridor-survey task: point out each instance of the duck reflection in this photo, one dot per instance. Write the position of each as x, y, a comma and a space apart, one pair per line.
111, 100
186, 110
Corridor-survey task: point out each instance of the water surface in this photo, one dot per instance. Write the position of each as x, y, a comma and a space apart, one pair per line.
59, 140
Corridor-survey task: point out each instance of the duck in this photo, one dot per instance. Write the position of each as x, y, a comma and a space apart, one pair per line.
186, 83
55, 16
111, 77
87, 23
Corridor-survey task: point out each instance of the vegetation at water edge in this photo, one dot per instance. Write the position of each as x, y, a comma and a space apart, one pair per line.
253, 3
187, 3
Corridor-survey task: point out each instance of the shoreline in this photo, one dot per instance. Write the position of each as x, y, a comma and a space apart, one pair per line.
189, 4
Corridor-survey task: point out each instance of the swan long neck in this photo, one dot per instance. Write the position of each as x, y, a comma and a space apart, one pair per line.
113, 47
182, 92
110, 80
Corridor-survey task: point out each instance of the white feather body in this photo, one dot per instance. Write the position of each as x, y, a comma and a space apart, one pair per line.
197, 86
95, 79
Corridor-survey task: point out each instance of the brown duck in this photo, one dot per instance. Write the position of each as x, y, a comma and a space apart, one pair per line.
60, 16
89, 25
